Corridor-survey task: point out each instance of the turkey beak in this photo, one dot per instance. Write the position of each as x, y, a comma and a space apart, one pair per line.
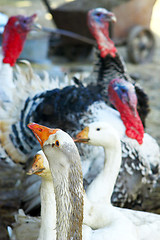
42, 133
32, 18
30, 21
82, 136
37, 166
111, 17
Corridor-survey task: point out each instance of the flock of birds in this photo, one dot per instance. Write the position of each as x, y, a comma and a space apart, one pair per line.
118, 165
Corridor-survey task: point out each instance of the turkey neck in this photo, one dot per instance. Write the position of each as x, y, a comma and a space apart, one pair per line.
68, 188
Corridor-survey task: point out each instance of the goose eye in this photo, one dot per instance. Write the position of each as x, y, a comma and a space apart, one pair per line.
57, 143
98, 129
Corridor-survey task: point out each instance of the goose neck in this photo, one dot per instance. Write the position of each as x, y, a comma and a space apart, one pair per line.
68, 188
48, 210
111, 168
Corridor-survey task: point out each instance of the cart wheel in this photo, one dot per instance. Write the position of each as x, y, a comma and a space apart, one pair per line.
140, 45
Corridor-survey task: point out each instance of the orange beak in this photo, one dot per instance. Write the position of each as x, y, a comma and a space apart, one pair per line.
37, 166
42, 133
82, 136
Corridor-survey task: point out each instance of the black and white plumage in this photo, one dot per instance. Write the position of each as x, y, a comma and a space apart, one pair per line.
71, 108
110, 68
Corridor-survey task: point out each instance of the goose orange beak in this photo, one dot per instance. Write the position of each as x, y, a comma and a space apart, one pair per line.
37, 166
82, 136
41, 132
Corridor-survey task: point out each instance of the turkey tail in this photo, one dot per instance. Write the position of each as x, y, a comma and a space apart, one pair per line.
77, 82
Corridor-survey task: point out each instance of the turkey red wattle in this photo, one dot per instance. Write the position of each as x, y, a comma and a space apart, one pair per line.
105, 44
100, 31
14, 37
126, 104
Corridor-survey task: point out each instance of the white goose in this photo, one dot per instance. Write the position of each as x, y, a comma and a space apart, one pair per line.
93, 136
40, 167
35, 227
65, 165
66, 171
147, 225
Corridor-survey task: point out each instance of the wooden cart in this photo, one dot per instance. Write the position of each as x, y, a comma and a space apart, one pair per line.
132, 27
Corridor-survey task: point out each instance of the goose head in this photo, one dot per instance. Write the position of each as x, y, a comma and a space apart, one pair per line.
122, 95
14, 36
57, 143
99, 134
40, 166
98, 23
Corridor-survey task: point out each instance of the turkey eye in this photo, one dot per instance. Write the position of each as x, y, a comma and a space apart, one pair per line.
123, 90
57, 143
98, 14
98, 129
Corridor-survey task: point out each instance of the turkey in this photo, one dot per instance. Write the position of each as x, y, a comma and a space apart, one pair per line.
14, 37
109, 64
73, 107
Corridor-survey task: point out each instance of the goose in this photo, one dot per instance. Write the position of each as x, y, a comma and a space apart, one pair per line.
147, 225
65, 166
63, 157
40, 167
43, 227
